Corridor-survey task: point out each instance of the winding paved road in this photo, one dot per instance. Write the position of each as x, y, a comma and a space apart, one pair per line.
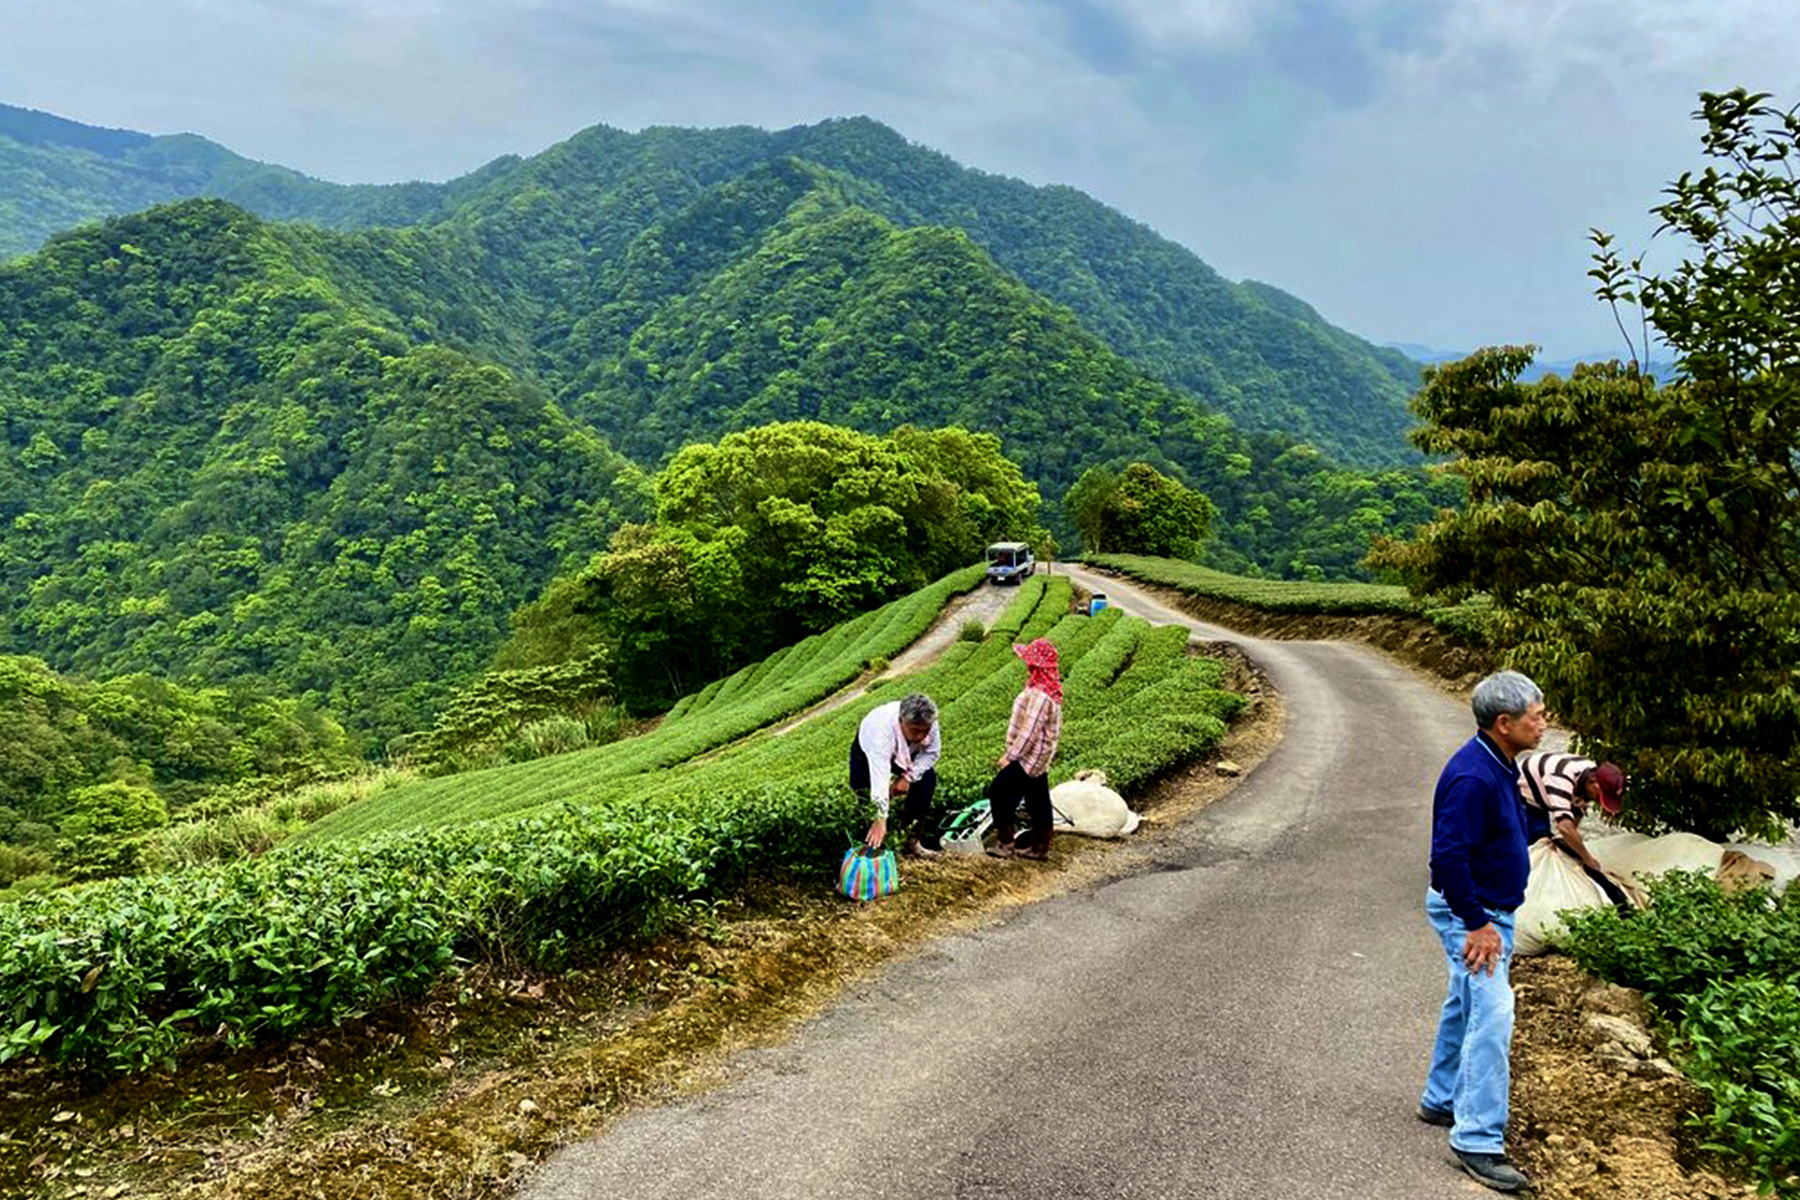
1249, 1019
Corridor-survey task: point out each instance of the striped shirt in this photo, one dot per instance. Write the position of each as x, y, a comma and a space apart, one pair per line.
1547, 782
1032, 735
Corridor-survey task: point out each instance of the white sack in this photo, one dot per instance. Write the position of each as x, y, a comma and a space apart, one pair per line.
1557, 885
1085, 805
1630, 855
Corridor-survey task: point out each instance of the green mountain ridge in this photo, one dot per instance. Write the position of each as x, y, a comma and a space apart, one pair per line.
220, 465
1247, 350
56, 174
336, 461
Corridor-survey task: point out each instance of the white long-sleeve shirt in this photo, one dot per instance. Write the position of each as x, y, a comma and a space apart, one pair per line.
879, 736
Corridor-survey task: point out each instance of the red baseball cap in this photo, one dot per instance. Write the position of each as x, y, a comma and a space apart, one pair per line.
1612, 786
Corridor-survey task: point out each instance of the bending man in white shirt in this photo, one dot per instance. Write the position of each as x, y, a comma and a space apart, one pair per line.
895, 754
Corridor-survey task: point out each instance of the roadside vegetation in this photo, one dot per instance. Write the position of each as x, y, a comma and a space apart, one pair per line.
1723, 968
386, 896
1636, 544
1269, 595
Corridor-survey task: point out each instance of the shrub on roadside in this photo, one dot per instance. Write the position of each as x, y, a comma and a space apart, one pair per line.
1740, 1041
972, 631
1724, 966
1473, 622
1693, 933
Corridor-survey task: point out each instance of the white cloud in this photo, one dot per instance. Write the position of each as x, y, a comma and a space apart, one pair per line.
1421, 170
1218, 25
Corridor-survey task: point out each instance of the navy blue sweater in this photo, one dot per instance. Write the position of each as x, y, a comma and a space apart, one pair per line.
1479, 858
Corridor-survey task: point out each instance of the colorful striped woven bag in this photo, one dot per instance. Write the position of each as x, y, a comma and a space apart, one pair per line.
868, 874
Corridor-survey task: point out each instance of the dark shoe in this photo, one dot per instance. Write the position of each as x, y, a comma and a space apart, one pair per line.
1436, 1116
1002, 849
917, 849
1491, 1170
1035, 851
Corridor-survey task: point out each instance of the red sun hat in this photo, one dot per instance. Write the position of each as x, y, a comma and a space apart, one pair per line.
1612, 786
1040, 654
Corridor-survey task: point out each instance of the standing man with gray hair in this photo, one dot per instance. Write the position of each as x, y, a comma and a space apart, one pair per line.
895, 754
1479, 867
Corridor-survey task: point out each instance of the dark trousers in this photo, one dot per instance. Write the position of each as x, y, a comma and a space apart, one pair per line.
915, 806
1012, 787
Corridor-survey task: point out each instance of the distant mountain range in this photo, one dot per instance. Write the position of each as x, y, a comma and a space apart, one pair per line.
1539, 368
1253, 352
334, 452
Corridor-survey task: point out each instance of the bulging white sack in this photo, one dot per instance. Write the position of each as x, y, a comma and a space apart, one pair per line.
1631, 855
1557, 885
1085, 805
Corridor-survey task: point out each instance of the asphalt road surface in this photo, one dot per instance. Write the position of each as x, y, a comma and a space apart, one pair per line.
1249, 1017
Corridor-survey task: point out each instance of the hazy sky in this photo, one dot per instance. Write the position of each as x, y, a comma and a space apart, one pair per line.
1419, 170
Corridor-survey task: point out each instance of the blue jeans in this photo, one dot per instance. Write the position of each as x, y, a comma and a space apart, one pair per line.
1470, 1069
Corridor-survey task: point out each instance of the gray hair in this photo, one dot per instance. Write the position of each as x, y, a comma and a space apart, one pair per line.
1503, 692
919, 708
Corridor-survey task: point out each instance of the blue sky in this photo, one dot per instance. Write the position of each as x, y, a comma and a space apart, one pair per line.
1420, 172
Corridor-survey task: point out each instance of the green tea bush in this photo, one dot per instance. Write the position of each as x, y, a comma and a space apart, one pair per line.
122, 974
1725, 966
810, 671
1740, 1041
1693, 933
1271, 595
973, 630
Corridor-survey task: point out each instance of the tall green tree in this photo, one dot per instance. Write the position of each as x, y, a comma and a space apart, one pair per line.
772, 534
1138, 511
1643, 541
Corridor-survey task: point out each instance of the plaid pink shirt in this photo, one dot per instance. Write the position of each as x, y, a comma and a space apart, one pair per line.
1036, 725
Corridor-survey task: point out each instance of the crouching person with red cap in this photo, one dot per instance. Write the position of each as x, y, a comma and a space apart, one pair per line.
1558, 790
1024, 768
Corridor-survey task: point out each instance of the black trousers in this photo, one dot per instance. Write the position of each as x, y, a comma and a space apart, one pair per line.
1012, 787
915, 805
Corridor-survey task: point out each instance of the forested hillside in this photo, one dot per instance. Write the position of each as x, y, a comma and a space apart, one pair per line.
223, 460
778, 296
1247, 350
56, 174
334, 463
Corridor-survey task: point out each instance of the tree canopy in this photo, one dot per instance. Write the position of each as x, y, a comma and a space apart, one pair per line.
771, 534
1642, 539
1138, 511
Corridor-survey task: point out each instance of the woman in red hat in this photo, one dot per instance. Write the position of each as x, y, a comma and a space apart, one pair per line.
1024, 769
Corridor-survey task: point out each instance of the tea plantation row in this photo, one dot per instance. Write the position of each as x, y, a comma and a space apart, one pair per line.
1270, 595
121, 975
